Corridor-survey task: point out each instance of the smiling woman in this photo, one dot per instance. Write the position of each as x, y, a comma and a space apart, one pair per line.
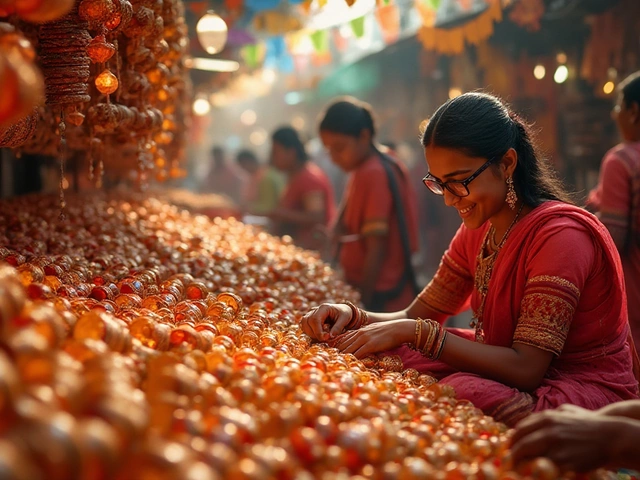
542, 277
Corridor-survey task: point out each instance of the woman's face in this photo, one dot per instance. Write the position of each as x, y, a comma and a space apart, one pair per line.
283, 158
487, 192
346, 151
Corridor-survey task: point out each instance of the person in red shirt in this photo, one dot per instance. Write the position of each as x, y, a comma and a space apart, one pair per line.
616, 199
307, 207
377, 225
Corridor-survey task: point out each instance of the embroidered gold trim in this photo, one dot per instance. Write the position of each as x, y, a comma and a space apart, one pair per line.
557, 280
375, 226
544, 322
448, 290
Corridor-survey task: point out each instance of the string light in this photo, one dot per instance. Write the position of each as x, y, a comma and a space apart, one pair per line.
212, 32
562, 74
258, 137
201, 107
298, 122
248, 117
539, 72
608, 88
454, 92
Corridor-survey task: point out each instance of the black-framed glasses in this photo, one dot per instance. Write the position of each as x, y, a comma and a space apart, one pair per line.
458, 188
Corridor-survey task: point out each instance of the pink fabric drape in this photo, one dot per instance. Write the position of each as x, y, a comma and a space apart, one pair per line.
597, 362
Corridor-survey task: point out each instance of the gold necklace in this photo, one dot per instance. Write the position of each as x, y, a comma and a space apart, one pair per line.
483, 273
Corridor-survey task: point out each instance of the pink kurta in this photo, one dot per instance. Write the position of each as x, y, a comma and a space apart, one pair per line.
557, 285
618, 188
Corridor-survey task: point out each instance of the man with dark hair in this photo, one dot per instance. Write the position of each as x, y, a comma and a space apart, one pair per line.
617, 196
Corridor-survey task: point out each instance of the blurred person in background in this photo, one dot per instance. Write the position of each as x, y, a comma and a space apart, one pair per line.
225, 177
376, 230
265, 186
306, 207
321, 157
616, 198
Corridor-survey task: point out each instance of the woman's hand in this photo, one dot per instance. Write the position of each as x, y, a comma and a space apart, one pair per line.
376, 337
326, 321
574, 439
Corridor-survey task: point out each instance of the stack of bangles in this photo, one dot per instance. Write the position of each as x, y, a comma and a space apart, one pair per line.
359, 317
430, 338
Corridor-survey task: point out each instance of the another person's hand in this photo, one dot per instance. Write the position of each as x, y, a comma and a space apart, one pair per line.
326, 321
574, 439
376, 337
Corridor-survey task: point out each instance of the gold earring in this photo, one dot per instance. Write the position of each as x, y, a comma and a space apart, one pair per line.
512, 198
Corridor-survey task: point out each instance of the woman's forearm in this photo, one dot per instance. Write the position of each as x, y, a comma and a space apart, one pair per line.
521, 367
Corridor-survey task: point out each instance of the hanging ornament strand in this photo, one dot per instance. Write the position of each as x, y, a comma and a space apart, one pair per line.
62, 127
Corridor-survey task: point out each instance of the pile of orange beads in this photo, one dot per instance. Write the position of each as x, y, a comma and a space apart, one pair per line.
138, 341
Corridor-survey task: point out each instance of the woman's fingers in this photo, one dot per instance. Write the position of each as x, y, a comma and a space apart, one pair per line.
315, 321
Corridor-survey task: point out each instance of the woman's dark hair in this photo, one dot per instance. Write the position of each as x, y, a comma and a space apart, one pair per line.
481, 125
630, 89
348, 116
288, 137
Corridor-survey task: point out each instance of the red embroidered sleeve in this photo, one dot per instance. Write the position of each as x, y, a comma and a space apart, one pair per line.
546, 312
449, 289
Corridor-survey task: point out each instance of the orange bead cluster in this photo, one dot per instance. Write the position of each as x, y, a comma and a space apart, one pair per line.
138, 341
116, 85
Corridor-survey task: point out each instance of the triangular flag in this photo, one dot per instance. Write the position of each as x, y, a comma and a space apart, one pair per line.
320, 40
251, 55
357, 25
389, 19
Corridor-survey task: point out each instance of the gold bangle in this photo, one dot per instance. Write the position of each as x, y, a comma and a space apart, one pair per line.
441, 347
354, 314
433, 336
418, 335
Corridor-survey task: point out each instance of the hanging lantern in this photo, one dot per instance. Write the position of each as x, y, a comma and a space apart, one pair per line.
96, 11
100, 50
106, 82
212, 32
121, 17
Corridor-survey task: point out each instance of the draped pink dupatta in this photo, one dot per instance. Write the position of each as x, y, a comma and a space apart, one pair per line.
558, 285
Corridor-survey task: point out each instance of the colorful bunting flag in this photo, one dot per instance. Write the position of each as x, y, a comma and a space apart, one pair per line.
389, 19
320, 40
252, 55
357, 25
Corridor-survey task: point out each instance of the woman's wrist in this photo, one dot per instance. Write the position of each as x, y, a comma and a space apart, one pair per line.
429, 338
359, 317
